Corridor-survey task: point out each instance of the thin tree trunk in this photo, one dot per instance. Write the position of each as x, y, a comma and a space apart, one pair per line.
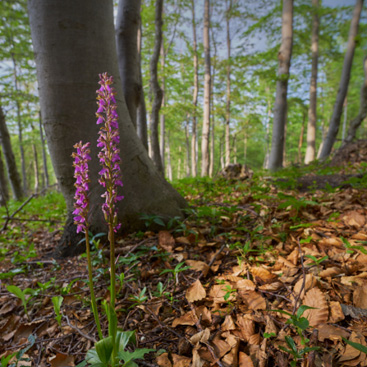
228, 91
35, 168
345, 119
280, 107
11, 166
155, 89
4, 192
162, 116
141, 118
221, 153
44, 155
356, 122
207, 83
312, 111
194, 170
212, 147
127, 25
169, 164
187, 143
300, 141
267, 153
179, 163
344, 81
235, 149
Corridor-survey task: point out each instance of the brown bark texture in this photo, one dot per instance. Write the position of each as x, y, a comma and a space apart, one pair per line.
4, 192
344, 82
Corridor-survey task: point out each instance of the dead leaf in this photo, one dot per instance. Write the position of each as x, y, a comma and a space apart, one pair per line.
198, 266
163, 360
315, 298
254, 300
245, 360
353, 219
195, 292
360, 295
351, 352
310, 282
336, 312
264, 274
180, 361
331, 332
186, 319
62, 360
228, 323
200, 337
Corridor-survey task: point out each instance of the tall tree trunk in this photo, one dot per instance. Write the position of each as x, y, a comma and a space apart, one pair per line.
228, 75
235, 149
156, 92
280, 107
194, 170
44, 155
141, 117
162, 117
267, 153
345, 119
169, 163
207, 82
312, 111
344, 81
187, 143
13, 174
35, 168
356, 122
4, 192
127, 26
74, 42
300, 141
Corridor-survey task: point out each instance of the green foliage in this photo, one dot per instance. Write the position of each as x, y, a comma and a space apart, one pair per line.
176, 270
57, 302
19, 356
22, 295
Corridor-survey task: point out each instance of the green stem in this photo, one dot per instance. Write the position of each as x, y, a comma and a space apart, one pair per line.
92, 296
113, 283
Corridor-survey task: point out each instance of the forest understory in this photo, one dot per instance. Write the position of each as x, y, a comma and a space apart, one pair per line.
227, 286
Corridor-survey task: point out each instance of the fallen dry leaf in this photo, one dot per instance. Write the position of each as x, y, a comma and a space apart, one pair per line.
195, 292
315, 298
62, 360
245, 360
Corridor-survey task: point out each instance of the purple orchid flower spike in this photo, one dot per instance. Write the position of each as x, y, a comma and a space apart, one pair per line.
81, 174
109, 155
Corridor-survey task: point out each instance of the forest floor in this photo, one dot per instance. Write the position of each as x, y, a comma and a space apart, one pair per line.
258, 252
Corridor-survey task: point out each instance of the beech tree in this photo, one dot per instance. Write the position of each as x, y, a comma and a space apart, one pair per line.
207, 84
10, 162
344, 81
280, 106
73, 43
312, 115
4, 193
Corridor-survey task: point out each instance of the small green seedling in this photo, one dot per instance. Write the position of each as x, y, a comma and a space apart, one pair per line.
22, 295
19, 359
316, 262
178, 269
139, 299
294, 351
229, 291
122, 281
160, 290
44, 286
57, 302
351, 249
149, 220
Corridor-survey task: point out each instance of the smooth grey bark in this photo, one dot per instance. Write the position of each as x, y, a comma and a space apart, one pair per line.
345, 119
169, 164
141, 118
207, 83
187, 144
13, 174
74, 42
127, 26
280, 107
344, 82
357, 121
35, 168
312, 111
300, 140
228, 90
44, 155
267, 152
162, 117
194, 169
156, 92
4, 191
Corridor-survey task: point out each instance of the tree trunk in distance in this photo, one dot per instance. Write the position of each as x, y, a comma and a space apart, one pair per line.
36, 168
280, 107
344, 81
156, 92
356, 122
44, 156
162, 117
345, 119
169, 164
300, 141
74, 42
127, 25
187, 143
267, 153
228, 91
141, 117
4, 192
207, 83
13, 174
194, 170
312, 111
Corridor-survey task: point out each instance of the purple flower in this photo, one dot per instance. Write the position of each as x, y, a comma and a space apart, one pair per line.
109, 154
81, 174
